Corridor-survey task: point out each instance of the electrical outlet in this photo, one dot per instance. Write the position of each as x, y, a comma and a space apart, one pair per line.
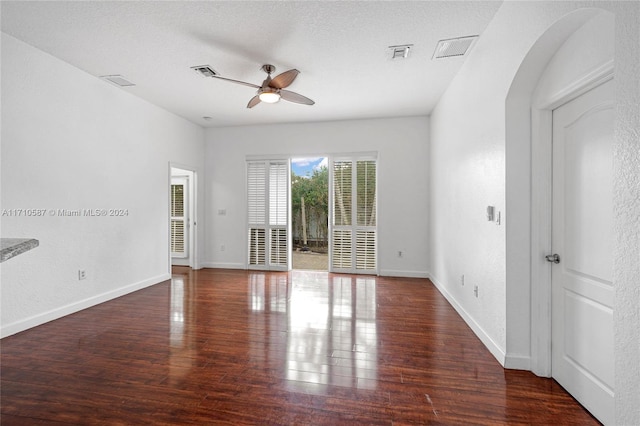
222, 247
82, 274
475, 290
462, 280
399, 253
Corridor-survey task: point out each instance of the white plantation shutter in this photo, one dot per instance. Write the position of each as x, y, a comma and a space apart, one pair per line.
256, 210
257, 246
342, 190
178, 218
366, 217
268, 187
278, 189
177, 237
341, 253
365, 250
279, 247
257, 193
354, 232
366, 192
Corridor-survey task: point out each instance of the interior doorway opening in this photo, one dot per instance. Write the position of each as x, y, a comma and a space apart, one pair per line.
310, 213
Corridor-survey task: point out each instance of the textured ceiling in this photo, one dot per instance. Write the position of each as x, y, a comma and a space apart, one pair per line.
341, 49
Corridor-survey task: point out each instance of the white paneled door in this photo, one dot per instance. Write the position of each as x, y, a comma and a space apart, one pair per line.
582, 239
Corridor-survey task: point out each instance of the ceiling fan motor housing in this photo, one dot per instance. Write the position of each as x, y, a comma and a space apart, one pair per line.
268, 68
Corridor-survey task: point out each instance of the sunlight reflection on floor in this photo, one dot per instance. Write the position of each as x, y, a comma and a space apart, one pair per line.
330, 326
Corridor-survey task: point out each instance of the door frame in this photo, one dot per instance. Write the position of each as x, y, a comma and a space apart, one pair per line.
541, 209
304, 156
193, 214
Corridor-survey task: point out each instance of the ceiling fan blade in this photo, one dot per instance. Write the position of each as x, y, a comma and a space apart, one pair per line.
295, 97
283, 80
255, 86
254, 101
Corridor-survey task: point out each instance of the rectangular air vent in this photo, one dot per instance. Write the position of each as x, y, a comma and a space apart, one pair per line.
118, 80
453, 47
205, 70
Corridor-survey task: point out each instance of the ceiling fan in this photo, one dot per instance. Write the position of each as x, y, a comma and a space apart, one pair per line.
271, 90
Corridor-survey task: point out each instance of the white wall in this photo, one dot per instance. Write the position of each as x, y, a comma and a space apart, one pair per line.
72, 141
588, 48
487, 157
402, 146
467, 166
626, 205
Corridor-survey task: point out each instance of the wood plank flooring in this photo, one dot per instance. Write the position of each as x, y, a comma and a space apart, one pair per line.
218, 347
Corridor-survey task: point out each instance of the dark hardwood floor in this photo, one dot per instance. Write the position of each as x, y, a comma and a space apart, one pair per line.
238, 347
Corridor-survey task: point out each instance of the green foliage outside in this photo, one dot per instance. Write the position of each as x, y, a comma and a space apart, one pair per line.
315, 190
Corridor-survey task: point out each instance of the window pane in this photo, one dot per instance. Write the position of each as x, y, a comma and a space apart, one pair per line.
342, 180
177, 200
278, 182
366, 189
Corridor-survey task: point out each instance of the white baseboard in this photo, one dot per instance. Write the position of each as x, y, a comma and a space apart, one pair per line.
489, 343
403, 274
382, 272
517, 362
39, 319
220, 265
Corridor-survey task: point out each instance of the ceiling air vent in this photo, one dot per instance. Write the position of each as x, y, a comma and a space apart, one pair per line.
118, 80
453, 47
205, 70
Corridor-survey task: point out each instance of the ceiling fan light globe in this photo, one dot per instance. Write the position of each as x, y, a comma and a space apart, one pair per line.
269, 97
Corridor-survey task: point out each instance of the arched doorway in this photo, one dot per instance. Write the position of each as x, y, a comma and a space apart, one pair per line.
561, 65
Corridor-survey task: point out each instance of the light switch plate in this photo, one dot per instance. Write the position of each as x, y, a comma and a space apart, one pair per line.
490, 213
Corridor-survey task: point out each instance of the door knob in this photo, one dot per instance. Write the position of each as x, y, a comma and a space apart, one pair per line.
553, 258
